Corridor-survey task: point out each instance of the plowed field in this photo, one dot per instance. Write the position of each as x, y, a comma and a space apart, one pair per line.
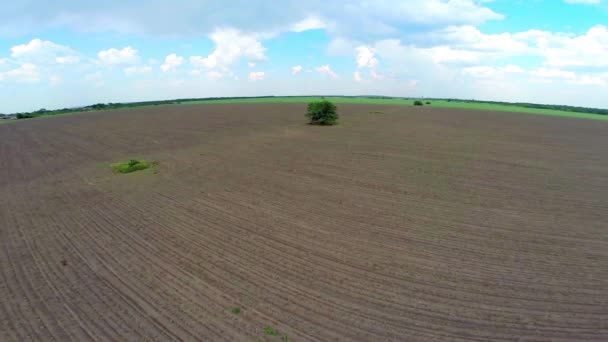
409, 224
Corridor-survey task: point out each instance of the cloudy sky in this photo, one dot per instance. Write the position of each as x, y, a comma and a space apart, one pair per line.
67, 53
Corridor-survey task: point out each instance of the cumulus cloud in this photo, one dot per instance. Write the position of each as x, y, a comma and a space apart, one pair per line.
491, 71
25, 73
172, 61
470, 38
357, 76
550, 75
557, 49
137, 70
309, 23
326, 70
44, 52
394, 50
586, 50
296, 69
256, 76
230, 46
127, 55
366, 57
341, 18
553, 73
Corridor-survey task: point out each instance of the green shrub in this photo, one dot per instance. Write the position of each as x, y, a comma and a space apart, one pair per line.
25, 116
427, 102
322, 113
131, 166
418, 103
271, 331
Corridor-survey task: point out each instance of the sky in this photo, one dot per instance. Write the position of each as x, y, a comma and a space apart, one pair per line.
67, 53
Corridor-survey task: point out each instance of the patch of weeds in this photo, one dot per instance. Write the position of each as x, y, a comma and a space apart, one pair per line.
236, 310
285, 338
376, 112
271, 331
131, 166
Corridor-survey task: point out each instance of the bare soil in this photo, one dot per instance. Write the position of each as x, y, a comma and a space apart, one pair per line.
410, 224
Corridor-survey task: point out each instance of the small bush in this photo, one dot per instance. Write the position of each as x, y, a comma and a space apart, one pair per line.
322, 113
418, 103
236, 310
428, 103
271, 331
131, 166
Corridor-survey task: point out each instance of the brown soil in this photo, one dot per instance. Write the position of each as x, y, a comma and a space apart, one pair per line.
413, 224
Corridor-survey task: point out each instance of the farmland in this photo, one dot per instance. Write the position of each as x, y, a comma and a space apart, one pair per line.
400, 223
528, 108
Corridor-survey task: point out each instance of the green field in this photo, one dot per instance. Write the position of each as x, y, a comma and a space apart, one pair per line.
409, 102
460, 104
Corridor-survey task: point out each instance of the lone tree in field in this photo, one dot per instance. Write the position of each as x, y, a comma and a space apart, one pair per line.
322, 113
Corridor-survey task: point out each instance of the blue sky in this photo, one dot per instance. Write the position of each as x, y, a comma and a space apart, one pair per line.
68, 53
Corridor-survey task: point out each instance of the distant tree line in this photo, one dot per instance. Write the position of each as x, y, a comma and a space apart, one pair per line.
576, 109
107, 106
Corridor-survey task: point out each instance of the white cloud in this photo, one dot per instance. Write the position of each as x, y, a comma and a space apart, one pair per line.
553, 73
366, 57
395, 50
127, 55
548, 75
491, 71
513, 69
44, 52
326, 69
251, 65
256, 76
137, 70
470, 38
346, 18
296, 69
230, 46
446, 54
591, 80
587, 50
309, 23
357, 76
26, 73
214, 75
480, 71
172, 61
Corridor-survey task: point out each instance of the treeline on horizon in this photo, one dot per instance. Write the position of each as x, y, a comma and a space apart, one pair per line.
107, 106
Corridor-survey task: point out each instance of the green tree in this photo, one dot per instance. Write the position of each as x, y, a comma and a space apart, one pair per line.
322, 113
